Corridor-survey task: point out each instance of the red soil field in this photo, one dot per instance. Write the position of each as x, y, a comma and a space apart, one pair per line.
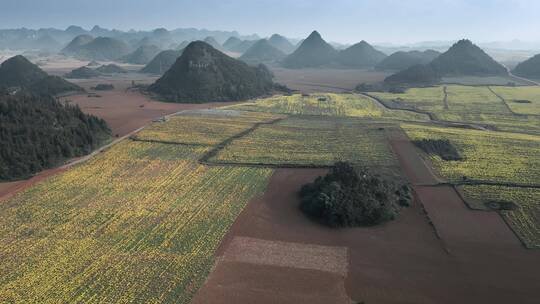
127, 110
325, 80
476, 260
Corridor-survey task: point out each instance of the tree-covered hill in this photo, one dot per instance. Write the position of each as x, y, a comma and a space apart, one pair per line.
529, 68
19, 72
204, 74
38, 132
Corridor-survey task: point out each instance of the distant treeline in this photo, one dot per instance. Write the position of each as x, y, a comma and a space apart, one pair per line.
38, 132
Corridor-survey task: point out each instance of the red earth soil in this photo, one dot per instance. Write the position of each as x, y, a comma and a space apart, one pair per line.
127, 110
478, 259
325, 80
9, 189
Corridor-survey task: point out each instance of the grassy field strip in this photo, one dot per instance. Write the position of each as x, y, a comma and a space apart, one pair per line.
217, 148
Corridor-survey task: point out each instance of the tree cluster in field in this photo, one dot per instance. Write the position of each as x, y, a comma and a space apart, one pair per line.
440, 147
103, 87
38, 132
351, 197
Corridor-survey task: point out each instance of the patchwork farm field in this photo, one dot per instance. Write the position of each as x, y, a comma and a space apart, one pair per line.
141, 222
510, 161
482, 80
479, 105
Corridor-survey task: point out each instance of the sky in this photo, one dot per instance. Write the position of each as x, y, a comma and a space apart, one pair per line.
345, 21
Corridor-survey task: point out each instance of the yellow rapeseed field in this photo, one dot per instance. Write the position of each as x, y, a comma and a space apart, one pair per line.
492, 156
327, 105
138, 224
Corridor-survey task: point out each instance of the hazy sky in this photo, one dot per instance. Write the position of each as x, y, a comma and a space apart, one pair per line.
396, 21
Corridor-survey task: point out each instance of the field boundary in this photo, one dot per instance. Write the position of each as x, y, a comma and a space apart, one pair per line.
474, 182
445, 99
505, 102
164, 142
473, 208
204, 160
430, 115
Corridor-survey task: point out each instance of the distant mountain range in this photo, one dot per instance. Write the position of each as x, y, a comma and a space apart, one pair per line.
262, 52
360, 55
56, 39
142, 55
162, 62
100, 48
315, 52
312, 52
402, 60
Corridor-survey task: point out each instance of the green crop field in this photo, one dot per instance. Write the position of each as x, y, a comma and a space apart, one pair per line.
525, 220
141, 221
522, 100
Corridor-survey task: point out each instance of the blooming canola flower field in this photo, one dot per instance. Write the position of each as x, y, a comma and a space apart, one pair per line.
140, 223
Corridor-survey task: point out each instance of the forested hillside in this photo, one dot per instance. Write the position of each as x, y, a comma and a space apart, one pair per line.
37, 133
